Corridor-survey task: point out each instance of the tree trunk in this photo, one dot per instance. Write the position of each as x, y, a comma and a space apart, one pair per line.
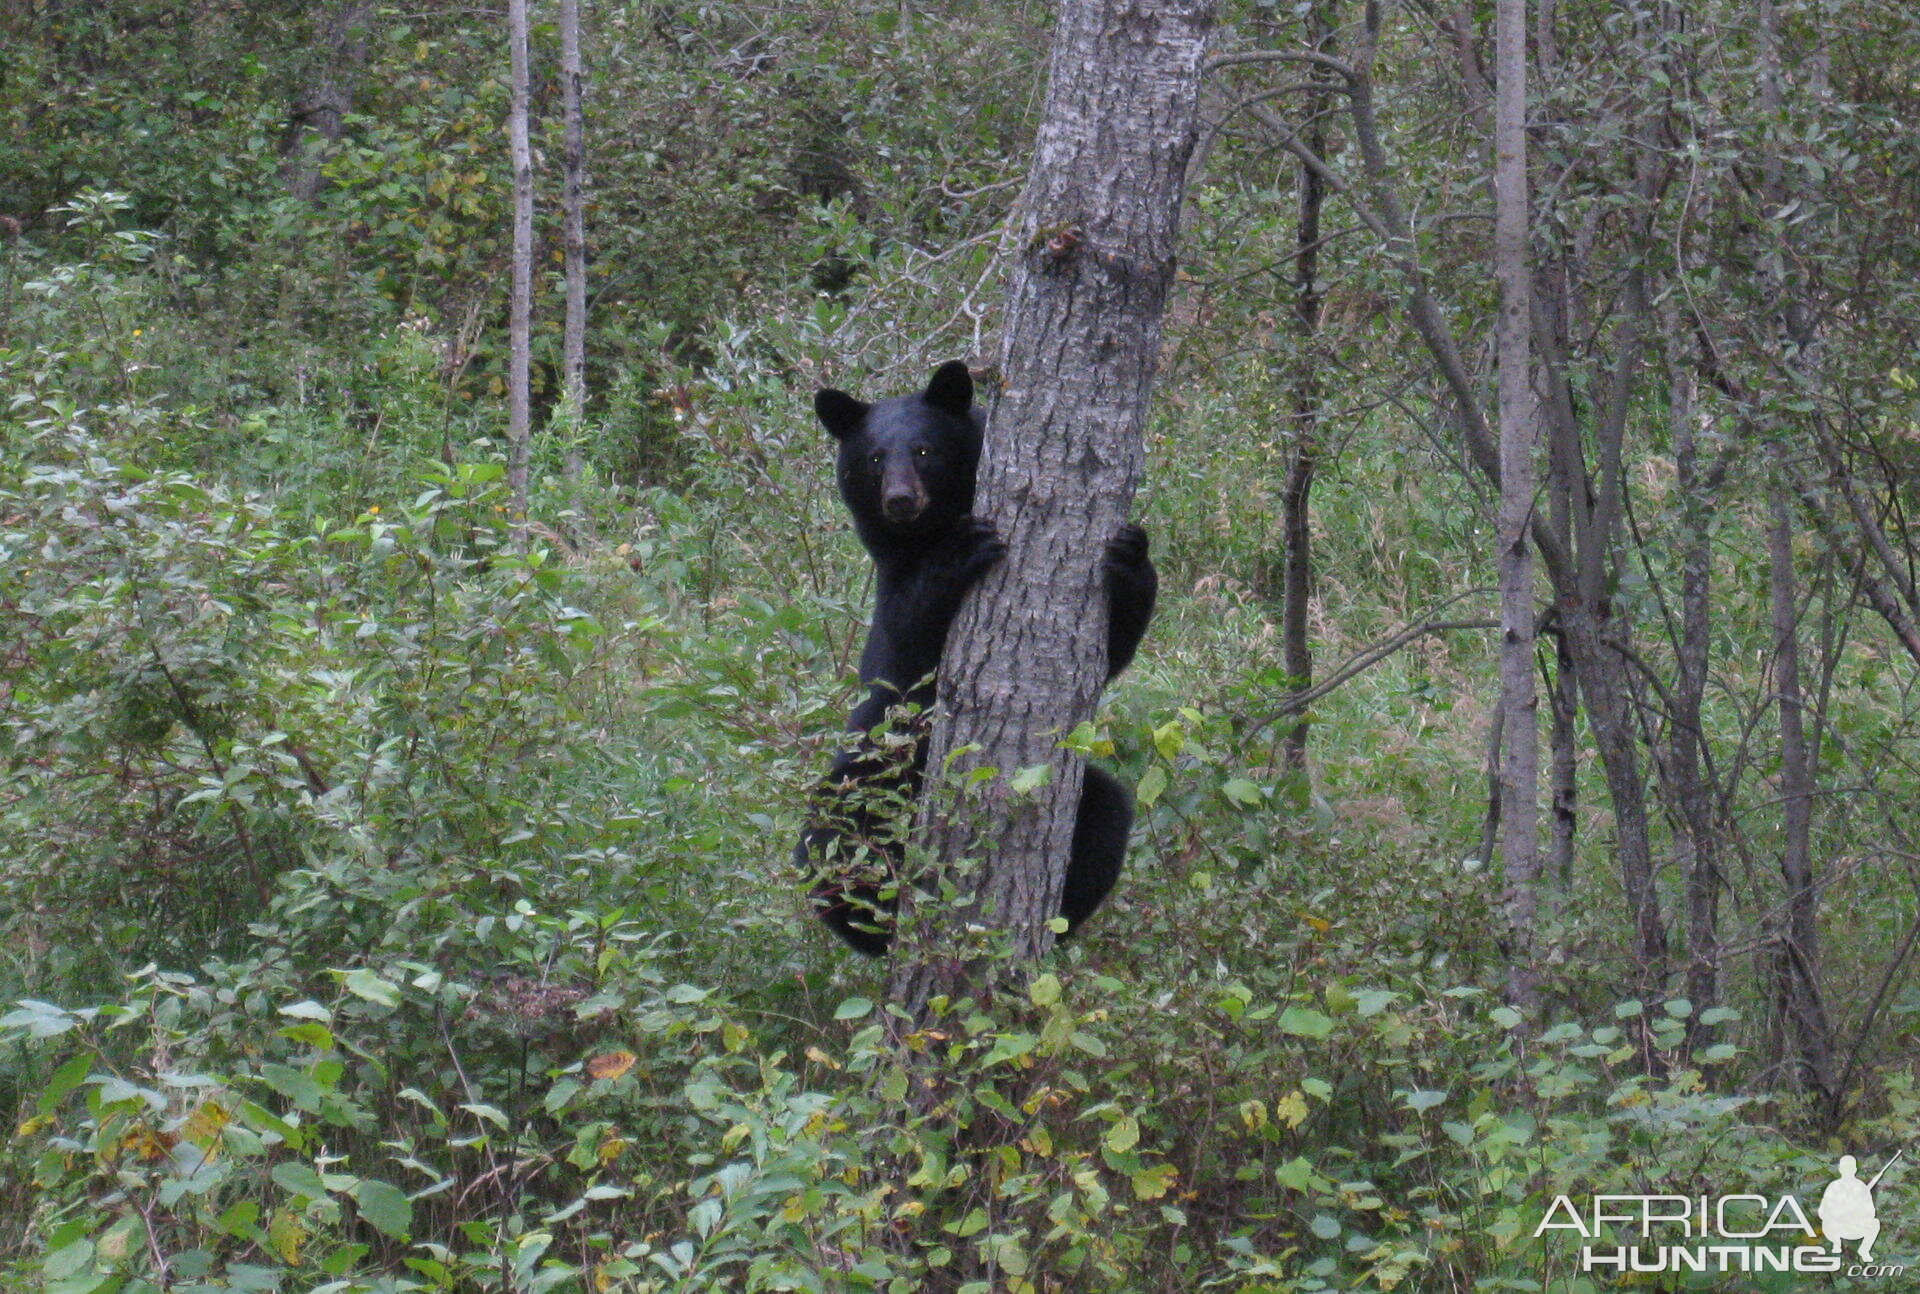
1799, 960
573, 360
520, 307
1699, 848
1563, 777
1601, 670
320, 112
1519, 701
1297, 558
1025, 661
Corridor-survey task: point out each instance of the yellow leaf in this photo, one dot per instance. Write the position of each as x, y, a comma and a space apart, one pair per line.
611, 1065
1152, 1183
611, 1149
1291, 1109
118, 1241
143, 1142
286, 1234
205, 1124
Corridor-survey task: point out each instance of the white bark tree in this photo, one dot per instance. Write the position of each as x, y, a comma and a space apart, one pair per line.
520, 304
573, 361
1519, 702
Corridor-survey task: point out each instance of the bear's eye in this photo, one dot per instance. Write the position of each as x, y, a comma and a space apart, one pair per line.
875, 458
922, 452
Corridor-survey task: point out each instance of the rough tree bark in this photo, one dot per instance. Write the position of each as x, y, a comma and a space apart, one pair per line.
320, 113
520, 304
1025, 663
1519, 700
573, 200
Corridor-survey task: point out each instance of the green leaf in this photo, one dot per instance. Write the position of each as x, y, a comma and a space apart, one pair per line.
385, 1208
1325, 1226
1027, 780
64, 1080
299, 1179
1045, 990
40, 1019
1169, 739
1296, 1174
68, 1259
1304, 1023
853, 1008
297, 1087
1241, 791
364, 983
308, 1010
315, 1035
1153, 783
1421, 1099
1124, 1135
491, 1113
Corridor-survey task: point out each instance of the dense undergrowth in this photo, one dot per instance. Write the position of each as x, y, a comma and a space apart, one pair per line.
386, 907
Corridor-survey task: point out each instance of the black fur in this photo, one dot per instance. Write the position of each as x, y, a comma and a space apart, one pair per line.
906, 473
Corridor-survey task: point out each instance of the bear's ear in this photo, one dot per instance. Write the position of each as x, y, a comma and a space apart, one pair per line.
839, 413
951, 389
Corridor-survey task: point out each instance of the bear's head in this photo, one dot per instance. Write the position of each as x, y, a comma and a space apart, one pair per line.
907, 465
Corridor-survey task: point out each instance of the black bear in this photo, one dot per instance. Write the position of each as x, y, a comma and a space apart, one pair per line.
906, 473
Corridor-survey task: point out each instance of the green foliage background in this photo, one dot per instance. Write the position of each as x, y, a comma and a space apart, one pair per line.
382, 908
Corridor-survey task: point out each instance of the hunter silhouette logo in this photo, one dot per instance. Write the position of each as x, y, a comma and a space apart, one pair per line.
1745, 1232
1846, 1208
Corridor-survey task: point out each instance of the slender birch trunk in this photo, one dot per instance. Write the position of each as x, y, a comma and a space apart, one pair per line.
573, 356
520, 306
1519, 701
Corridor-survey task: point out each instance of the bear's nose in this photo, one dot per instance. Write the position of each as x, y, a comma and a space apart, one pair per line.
900, 508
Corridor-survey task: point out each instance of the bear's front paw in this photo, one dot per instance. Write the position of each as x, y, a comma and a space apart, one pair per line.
977, 549
1127, 550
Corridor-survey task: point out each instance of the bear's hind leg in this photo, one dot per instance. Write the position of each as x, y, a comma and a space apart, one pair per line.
1100, 831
